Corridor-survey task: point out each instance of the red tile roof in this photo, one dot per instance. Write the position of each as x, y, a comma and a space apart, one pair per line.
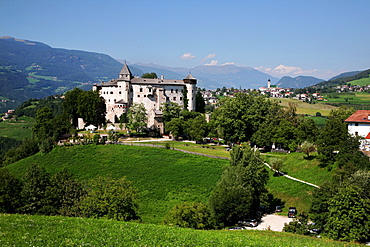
360, 116
368, 136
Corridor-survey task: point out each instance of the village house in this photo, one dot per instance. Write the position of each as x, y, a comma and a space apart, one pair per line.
359, 125
120, 94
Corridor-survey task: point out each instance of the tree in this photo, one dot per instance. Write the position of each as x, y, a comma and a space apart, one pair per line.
70, 105
170, 111
238, 118
191, 215
349, 216
175, 127
276, 164
197, 128
10, 188
307, 148
110, 198
149, 75
44, 129
334, 136
199, 103
137, 117
91, 107
237, 195
35, 184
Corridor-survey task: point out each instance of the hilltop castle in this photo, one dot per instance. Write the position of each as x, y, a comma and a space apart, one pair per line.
121, 93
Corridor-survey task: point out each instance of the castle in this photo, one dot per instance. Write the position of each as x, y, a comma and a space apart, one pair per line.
119, 94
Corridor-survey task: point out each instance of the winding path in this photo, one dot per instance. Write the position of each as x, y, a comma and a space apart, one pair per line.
139, 143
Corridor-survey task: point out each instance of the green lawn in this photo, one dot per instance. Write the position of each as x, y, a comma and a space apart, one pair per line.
309, 109
27, 230
18, 130
162, 177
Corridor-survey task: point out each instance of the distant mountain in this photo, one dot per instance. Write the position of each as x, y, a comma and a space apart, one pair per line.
32, 69
345, 74
212, 77
298, 82
344, 80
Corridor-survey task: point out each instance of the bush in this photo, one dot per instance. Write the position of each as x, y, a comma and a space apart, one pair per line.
191, 215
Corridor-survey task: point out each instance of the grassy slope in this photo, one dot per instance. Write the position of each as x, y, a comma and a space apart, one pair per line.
361, 82
166, 177
162, 177
24, 230
18, 130
310, 109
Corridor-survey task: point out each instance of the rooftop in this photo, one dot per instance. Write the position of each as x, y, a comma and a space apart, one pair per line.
360, 116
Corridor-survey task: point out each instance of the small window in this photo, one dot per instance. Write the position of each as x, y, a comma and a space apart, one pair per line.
150, 90
356, 133
141, 89
177, 91
174, 98
138, 96
111, 92
171, 90
180, 98
144, 95
120, 92
356, 124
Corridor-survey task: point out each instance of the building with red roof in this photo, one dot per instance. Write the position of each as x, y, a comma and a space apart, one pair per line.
359, 125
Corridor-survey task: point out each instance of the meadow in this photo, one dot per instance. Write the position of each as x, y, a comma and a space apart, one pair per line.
18, 130
162, 177
27, 230
306, 108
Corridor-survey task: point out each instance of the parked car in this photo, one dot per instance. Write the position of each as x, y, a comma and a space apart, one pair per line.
278, 209
249, 223
236, 228
292, 213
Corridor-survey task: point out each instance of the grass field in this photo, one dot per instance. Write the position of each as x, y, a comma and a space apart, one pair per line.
18, 130
162, 177
305, 108
167, 177
361, 82
26, 230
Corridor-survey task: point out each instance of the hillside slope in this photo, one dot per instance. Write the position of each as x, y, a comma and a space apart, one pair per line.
163, 177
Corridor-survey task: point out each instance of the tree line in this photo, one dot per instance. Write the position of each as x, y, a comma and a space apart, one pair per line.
38, 192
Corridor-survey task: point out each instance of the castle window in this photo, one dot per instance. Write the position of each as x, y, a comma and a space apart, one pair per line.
111, 92
174, 98
180, 98
171, 90
182, 90
356, 133
138, 95
150, 90
144, 95
120, 92
177, 91
141, 89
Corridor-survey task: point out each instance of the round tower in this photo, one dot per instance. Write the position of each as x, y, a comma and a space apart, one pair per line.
191, 86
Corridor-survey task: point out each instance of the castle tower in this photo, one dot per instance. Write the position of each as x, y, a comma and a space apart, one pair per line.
190, 83
268, 83
125, 73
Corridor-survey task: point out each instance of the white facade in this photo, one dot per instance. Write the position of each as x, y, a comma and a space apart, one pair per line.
121, 93
359, 125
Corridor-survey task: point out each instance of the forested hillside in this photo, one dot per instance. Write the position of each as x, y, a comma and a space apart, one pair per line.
31, 69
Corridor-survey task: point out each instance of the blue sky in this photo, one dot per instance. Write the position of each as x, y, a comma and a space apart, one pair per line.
321, 38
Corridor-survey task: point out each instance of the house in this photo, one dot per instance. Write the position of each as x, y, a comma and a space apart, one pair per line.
359, 125
120, 94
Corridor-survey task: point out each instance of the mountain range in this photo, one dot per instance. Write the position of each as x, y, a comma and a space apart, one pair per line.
30, 69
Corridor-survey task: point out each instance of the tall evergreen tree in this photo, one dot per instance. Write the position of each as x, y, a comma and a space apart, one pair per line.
237, 195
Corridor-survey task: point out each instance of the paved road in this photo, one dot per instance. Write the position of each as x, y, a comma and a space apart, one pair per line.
272, 222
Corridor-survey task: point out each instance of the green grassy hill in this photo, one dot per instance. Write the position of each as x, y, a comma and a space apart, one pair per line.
167, 177
162, 177
26, 230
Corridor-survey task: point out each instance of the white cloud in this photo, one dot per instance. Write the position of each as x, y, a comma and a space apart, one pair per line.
294, 71
212, 63
187, 56
231, 63
209, 56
